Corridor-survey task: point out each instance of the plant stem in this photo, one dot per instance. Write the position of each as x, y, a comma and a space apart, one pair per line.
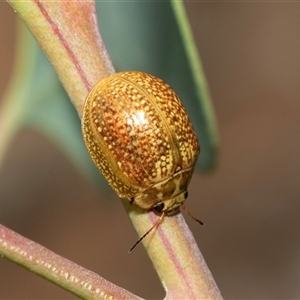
175, 256
67, 32
59, 270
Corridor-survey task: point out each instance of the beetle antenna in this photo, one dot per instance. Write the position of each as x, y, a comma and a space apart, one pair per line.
190, 215
158, 221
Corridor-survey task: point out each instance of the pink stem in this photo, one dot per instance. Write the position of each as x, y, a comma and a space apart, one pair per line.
59, 270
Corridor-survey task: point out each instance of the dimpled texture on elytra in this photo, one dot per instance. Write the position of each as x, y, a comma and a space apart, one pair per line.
137, 132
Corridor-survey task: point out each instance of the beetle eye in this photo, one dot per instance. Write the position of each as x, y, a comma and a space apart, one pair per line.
159, 207
186, 194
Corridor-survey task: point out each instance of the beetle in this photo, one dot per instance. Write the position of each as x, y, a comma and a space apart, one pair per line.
140, 137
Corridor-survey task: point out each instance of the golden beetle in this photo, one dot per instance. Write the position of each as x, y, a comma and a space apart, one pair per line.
141, 139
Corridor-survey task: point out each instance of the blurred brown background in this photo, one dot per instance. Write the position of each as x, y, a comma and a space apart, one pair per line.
250, 204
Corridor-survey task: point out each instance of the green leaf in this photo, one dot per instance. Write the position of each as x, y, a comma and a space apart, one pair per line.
155, 37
